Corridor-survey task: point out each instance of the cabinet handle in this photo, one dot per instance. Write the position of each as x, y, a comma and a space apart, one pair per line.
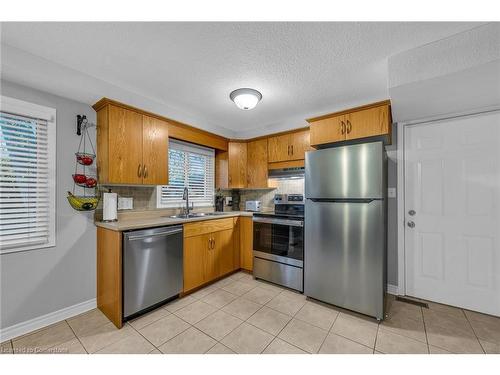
213, 243
342, 127
209, 243
139, 171
291, 147
349, 127
144, 171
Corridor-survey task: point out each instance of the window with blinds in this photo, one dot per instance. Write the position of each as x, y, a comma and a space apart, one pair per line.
192, 166
27, 207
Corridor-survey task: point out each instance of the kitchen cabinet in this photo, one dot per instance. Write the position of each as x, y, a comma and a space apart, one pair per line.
109, 274
246, 243
257, 164
223, 248
244, 165
132, 148
208, 251
290, 146
279, 148
237, 165
236, 243
154, 151
328, 130
367, 123
357, 123
195, 252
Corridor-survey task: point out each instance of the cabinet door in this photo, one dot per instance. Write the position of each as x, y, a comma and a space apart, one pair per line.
328, 130
368, 123
257, 164
279, 148
236, 243
210, 261
221, 169
195, 249
154, 151
246, 243
237, 164
299, 144
224, 251
125, 146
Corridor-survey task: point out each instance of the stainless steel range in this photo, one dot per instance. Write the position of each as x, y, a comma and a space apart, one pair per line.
278, 242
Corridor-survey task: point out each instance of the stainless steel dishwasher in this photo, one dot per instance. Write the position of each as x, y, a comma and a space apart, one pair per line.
152, 268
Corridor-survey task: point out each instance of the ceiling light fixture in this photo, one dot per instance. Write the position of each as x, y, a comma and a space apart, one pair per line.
245, 98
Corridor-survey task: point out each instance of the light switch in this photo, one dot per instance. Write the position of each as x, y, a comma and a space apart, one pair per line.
391, 192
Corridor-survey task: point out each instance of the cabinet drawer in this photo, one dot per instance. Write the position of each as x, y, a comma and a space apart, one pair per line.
207, 226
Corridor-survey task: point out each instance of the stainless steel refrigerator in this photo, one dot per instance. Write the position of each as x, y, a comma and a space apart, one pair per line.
346, 227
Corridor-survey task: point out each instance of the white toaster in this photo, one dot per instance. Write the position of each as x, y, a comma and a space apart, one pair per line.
252, 206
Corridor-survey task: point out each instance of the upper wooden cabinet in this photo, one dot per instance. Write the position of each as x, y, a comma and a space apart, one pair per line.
132, 148
257, 164
237, 165
357, 123
243, 166
278, 148
154, 151
291, 146
328, 130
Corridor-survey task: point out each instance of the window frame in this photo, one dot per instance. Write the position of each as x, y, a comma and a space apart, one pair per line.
180, 203
28, 109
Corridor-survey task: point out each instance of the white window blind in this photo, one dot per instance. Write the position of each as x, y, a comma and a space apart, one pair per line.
27, 214
192, 166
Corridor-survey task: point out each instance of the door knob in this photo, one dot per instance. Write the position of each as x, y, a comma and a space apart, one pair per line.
411, 224
411, 212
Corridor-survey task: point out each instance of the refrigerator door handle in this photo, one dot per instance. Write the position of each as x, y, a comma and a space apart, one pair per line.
331, 200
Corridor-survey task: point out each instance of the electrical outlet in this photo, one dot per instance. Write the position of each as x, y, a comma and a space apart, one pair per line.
125, 203
391, 192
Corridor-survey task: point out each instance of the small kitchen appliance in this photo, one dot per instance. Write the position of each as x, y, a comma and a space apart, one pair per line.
252, 206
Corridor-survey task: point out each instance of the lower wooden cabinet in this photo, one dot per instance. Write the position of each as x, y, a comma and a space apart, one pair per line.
223, 248
246, 243
195, 253
209, 251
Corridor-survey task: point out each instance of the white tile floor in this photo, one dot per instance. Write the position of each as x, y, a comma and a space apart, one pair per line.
241, 315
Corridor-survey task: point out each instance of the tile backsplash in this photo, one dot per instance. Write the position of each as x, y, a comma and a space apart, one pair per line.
266, 196
145, 196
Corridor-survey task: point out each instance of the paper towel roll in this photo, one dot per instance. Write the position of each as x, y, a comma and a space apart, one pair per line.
110, 207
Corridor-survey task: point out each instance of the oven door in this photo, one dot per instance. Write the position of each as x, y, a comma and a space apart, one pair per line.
279, 239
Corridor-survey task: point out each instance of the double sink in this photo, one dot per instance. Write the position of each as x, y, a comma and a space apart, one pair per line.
195, 214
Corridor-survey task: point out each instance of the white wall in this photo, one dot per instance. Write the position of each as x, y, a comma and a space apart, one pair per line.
450, 76
38, 282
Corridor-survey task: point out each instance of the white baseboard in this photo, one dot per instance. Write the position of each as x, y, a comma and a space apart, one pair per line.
393, 289
31, 325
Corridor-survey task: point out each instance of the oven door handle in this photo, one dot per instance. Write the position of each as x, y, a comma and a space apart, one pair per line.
267, 220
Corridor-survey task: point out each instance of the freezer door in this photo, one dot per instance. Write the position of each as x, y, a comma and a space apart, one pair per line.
345, 172
345, 254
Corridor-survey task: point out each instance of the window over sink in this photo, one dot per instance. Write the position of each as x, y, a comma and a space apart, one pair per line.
192, 166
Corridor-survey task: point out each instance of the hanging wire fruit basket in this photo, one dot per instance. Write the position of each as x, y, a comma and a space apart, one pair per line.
84, 177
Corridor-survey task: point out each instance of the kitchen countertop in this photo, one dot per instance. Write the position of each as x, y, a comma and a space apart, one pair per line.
155, 220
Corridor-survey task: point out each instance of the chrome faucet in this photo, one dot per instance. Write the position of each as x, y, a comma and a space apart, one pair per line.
185, 196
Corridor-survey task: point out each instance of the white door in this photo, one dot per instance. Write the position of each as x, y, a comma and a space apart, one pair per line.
452, 195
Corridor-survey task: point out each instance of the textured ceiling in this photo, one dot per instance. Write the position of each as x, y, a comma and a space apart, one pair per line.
301, 69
